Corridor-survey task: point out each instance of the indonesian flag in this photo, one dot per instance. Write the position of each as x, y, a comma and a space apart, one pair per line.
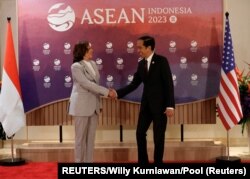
12, 114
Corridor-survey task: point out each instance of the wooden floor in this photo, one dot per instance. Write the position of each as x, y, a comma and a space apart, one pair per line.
121, 151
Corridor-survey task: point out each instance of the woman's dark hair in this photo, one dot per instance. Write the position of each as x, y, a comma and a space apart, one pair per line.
80, 50
148, 41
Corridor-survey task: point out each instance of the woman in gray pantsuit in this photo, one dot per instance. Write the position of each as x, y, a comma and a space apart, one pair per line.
85, 101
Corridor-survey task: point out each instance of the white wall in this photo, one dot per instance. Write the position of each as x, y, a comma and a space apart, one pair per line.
7, 9
240, 28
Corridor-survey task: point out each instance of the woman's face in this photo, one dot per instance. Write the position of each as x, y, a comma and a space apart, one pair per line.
89, 53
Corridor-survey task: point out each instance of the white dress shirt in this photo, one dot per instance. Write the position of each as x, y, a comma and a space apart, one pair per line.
149, 59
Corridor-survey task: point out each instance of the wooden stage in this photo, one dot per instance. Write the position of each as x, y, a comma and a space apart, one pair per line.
116, 152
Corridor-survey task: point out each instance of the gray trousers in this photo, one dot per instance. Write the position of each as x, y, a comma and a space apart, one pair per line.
85, 129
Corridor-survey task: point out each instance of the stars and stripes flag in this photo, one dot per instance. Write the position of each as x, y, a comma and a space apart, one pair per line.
12, 114
229, 107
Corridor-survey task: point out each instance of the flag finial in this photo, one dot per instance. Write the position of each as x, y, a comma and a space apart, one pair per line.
227, 14
8, 18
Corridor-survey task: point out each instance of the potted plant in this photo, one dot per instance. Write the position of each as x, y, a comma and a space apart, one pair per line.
244, 88
2, 133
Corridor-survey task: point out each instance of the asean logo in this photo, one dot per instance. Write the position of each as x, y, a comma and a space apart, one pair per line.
61, 17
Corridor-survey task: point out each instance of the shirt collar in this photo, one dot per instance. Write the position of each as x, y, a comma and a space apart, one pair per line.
149, 59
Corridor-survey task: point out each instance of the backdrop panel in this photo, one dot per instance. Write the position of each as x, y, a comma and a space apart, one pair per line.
188, 33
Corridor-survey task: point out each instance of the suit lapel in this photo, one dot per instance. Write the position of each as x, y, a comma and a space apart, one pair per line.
89, 72
152, 64
96, 76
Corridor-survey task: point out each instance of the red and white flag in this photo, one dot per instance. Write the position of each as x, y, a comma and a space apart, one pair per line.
12, 114
229, 107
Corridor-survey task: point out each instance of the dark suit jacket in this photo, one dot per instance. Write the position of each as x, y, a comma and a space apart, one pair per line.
158, 90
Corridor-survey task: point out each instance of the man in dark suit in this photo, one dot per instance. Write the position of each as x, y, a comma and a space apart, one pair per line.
157, 102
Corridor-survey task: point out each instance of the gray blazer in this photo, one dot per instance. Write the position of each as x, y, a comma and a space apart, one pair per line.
85, 94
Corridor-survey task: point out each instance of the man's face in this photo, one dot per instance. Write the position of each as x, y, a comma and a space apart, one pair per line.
142, 50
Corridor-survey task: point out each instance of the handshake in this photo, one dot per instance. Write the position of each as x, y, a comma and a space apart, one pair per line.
112, 93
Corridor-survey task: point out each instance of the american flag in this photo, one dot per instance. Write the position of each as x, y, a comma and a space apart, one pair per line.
229, 107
